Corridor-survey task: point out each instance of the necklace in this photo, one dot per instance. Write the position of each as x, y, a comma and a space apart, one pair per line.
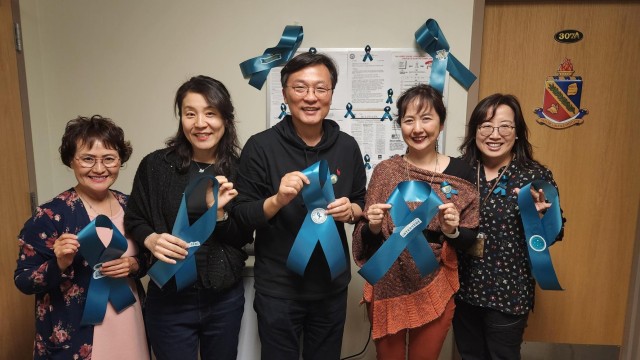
494, 185
91, 206
201, 170
435, 169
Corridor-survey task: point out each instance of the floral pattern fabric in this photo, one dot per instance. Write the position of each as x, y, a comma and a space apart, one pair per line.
501, 279
60, 296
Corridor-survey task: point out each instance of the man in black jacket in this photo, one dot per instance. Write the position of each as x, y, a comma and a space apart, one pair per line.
269, 184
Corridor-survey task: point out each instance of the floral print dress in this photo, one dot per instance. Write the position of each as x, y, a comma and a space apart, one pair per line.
60, 296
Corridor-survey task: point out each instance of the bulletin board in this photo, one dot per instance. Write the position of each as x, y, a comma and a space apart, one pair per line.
365, 83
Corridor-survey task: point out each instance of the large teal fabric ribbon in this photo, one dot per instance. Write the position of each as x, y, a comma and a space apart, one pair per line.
317, 225
541, 232
431, 39
258, 67
195, 235
103, 289
408, 231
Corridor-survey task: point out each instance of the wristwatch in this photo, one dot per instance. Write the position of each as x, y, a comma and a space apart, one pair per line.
224, 217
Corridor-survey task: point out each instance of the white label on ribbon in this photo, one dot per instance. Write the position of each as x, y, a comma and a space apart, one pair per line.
319, 215
97, 274
410, 226
537, 243
193, 243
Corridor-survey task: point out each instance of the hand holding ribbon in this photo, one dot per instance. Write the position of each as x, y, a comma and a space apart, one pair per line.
408, 231
318, 226
65, 248
541, 232
431, 39
194, 235
103, 289
258, 67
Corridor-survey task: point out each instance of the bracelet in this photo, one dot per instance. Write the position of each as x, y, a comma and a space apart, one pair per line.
454, 235
225, 216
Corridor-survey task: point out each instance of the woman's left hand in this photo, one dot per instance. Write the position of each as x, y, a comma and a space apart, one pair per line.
449, 218
341, 210
539, 199
120, 268
226, 192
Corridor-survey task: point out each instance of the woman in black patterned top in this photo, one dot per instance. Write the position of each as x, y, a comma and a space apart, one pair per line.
496, 285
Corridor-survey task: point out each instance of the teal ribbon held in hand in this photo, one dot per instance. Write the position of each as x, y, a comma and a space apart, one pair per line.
408, 231
431, 39
195, 235
541, 232
258, 67
103, 289
317, 225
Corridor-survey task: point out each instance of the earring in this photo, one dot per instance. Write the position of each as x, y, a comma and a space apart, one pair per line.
436, 144
517, 138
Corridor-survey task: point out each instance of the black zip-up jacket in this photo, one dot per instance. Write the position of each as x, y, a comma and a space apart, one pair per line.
265, 159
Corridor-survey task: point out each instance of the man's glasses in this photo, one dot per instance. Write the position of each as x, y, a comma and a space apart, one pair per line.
503, 130
303, 90
90, 161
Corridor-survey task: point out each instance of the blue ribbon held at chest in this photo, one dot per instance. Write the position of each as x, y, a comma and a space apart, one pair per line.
541, 233
317, 225
102, 289
195, 235
408, 231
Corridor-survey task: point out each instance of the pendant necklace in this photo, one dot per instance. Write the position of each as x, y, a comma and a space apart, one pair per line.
482, 236
433, 174
91, 206
201, 170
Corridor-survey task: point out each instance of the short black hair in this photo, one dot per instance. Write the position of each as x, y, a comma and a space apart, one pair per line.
308, 59
425, 95
86, 131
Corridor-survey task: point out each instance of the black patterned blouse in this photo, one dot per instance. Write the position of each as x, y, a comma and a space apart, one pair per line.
502, 279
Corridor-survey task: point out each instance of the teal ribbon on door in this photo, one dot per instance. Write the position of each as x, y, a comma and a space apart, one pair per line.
103, 289
541, 232
258, 67
195, 235
408, 231
431, 39
317, 225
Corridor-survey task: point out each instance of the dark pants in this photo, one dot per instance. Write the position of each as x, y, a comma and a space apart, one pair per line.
487, 334
281, 322
180, 323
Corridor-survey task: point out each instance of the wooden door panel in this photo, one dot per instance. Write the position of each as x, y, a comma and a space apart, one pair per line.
596, 164
17, 330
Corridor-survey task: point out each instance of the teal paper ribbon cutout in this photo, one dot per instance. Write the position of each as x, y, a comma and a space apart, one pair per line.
317, 225
367, 55
103, 289
431, 39
258, 67
195, 235
349, 112
367, 161
408, 231
390, 96
386, 114
541, 232
283, 111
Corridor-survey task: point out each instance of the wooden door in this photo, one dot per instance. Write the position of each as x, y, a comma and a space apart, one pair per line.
17, 329
596, 164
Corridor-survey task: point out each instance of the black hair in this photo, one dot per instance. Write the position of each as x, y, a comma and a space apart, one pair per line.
426, 96
308, 59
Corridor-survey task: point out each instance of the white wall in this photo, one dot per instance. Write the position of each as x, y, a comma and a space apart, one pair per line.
124, 59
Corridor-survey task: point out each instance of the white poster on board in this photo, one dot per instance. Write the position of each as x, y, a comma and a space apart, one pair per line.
365, 85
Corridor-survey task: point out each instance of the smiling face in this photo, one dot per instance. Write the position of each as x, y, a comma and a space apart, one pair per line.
308, 109
95, 180
496, 148
420, 127
203, 126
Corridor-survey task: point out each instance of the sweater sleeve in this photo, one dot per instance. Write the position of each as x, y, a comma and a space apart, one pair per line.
138, 218
252, 186
37, 269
